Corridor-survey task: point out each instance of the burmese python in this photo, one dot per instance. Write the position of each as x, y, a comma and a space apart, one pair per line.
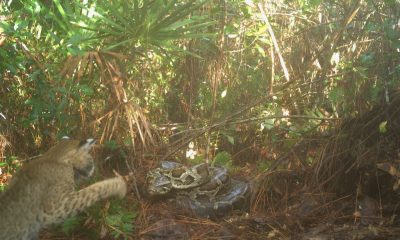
207, 191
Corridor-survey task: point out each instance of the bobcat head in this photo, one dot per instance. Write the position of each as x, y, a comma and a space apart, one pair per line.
75, 153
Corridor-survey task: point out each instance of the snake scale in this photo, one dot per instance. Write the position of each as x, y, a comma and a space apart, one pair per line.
206, 191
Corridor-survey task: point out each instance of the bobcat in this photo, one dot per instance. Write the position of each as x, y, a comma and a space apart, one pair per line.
43, 192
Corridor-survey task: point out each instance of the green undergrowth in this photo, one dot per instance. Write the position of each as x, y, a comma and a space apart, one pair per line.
114, 218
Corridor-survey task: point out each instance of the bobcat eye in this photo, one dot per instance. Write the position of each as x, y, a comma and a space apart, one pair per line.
65, 138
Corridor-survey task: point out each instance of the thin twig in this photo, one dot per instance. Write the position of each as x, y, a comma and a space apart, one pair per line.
216, 125
274, 42
247, 120
30, 158
132, 176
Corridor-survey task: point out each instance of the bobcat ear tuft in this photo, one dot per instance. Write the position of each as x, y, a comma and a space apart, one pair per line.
65, 138
87, 144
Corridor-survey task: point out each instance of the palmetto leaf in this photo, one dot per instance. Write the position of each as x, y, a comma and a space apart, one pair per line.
124, 24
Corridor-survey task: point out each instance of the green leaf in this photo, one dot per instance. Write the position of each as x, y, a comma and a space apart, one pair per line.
86, 90
268, 124
112, 23
60, 8
230, 139
264, 165
112, 144
120, 223
336, 95
223, 159
70, 224
383, 127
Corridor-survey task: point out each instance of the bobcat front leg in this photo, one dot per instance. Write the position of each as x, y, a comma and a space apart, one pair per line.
75, 202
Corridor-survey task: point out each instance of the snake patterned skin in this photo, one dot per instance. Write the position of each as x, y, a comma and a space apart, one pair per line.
206, 191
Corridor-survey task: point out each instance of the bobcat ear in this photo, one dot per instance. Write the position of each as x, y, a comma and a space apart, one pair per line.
87, 144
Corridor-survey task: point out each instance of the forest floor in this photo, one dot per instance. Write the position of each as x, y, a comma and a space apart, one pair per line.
349, 191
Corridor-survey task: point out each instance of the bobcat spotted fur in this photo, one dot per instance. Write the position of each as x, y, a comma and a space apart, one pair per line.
43, 191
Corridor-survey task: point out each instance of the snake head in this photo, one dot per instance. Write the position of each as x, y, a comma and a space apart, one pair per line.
157, 184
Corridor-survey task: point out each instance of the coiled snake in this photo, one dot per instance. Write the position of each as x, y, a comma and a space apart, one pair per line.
207, 191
